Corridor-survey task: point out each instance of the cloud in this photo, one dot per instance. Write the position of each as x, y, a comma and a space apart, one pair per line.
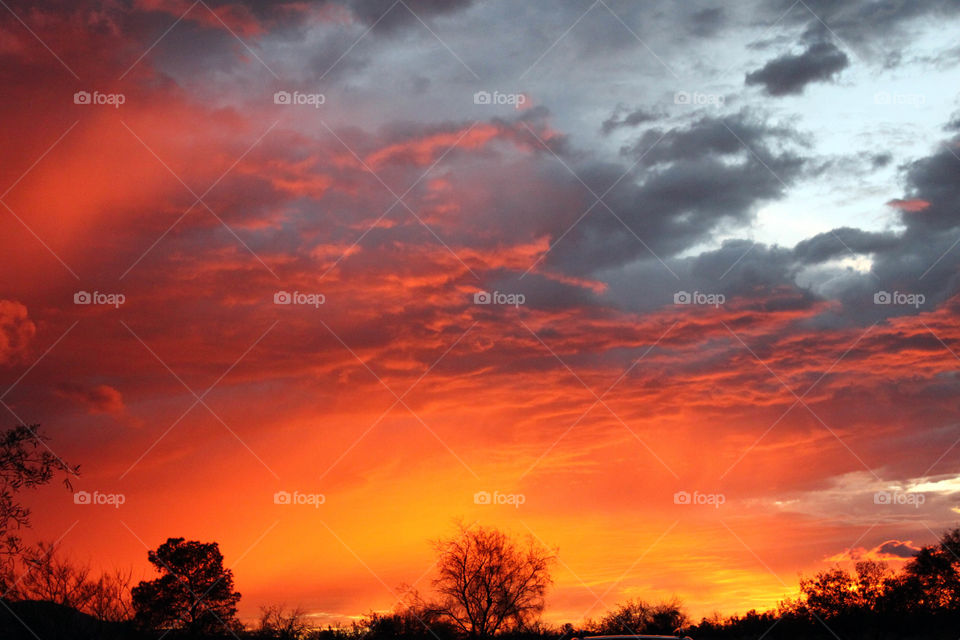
934, 179
99, 399
879, 31
624, 117
897, 549
399, 297
790, 74
254, 17
891, 551
682, 184
707, 22
373, 12
909, 206
16, 332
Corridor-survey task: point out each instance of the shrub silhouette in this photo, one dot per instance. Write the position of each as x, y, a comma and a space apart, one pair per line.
638, 617
43, 574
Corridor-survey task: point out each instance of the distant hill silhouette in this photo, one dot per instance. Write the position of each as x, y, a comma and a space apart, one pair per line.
52, 621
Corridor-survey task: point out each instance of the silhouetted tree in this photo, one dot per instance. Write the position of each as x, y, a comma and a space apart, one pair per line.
872, 584
49, 577
489, 583
194, 592
639, 617
829, 594
406, 624
872, 603
111, 597
933, 575
25, 462
279, 623
66, 599
411, 619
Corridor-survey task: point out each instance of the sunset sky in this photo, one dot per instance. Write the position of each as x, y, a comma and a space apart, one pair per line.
724, 240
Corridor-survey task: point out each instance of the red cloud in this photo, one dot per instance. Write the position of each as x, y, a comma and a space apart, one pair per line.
422, 151
100, 399
910, 206
16, 331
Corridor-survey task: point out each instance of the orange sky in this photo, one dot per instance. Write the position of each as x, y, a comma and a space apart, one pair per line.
399, 398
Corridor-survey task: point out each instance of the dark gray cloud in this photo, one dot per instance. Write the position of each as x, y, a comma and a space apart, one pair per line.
839, 243
878, 30
920, 255
935, 179
881, 160
927, 254
385, 15
686, 182
863, 19
790, 74
921, 258
898, 549
625, 117
380, 13
707, 22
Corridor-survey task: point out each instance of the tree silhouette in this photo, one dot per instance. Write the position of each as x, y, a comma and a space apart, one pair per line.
25, 463
872, 584
47, 576
936, 569
489, 583
279, 623
922, 600
636, 616
830, 594
194, 592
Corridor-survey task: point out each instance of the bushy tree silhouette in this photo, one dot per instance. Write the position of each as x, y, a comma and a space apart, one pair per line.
194, 592
829, 594
933, 575
406, 623
638, 617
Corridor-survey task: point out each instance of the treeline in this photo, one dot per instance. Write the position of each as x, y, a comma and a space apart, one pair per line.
872, 603
487, 585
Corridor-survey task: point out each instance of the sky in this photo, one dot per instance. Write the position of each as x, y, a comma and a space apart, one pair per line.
669, 287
